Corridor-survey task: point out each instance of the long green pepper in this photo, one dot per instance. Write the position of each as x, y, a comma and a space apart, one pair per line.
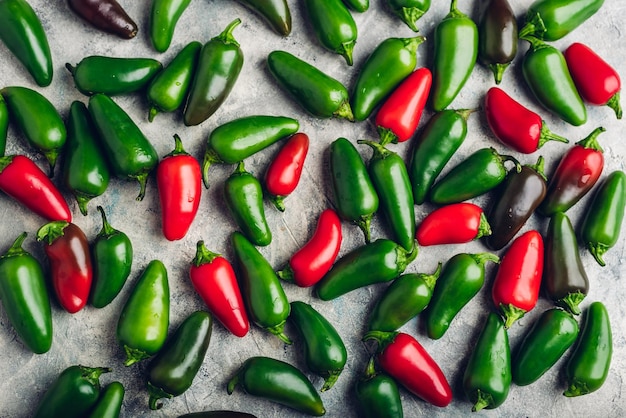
164, 16
333, 25
275, 12
550, 20
109, 404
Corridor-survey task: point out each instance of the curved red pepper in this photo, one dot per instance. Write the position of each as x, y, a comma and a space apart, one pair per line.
25, 182
597, 82
515, 125
179, 181
403, 358
399, 115
67, 249
283, 174
213, 278
311, 262
453, 224
516, 287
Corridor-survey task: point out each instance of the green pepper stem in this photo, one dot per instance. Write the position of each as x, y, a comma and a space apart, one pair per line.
152, 113
364, 226
597, 250
330, 381
498, 71
52, 157
406, 257
143, 180
178, 147
134, 355
511, 314
370, 369
82, 200
345, 112
411, 44
505, 158
203, 255
576, 388
210, 157
387, 136
431, 279
591, 141
5, 161
107, 230
156, 394
345, 50
232, 384
51, 231
547, 135
484, 229
382, 338
534, 27
286, 274
92, 374
379, 149
465, 113
539, 167
70, 68
482, 258
278, 201
16, 249
535, 43
410, 16
614, 104
227, 35
483, 400
571, 302
278, 331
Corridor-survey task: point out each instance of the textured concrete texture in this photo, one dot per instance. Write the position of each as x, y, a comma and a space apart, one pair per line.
88, 337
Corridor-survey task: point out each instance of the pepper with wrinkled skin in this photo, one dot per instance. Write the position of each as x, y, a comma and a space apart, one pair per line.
164, 16
377, 395
410, 11
106, 15
275, 12
497, 36
551, 20
333, 25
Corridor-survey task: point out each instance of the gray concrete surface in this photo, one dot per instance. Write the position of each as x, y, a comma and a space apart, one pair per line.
88, 337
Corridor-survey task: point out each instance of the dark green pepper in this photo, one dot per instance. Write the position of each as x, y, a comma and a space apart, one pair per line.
455, 53
39, 121
4, 125
22, 33
391, 181
164, 15
564, 276
85, 170
442, 136
217, 414
390, 63
461, 279
319, 94
262, 292
602, 223
377, 395
244, 198
74, 392
551, 20
240, 138
477, 174
333, 25
410, 11
129, 152
110, 401
173, 369
324, 350
25, 298
112, 261
168, 89
357, 5
275, 12
217, 70
588, 366
354, 195
497, 36
403, 300
278, 382
145, 317
380, 261
543, 345
487, 377
546, 74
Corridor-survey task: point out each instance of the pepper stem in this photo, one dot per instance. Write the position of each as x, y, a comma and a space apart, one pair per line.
370, 369
5, 161
591, 141
92, 374
511, 314
482, 258
345, 50
232, 384
410, 16
379, 149
142, 179
210, 157
70, 68
613, 103
505, 158
382, 338
539, 167
498, 71
227, 35
286, 274
483, 400
16, 249
411, 44
152, 113
51, 231
330, 381
534, 27
576, 388
345, 111
107, 230
364, 226
571, 302
203, 255
134, 355
178, 147
597, 250
278, 331
547, 135
465, 113
82, 200
51, 156
387, 136
156, 394
278, 201
431, 279
484, 229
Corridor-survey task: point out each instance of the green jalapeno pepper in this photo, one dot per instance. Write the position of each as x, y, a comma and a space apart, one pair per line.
391, 181
455, 53
262, 292
110, 401
354, 195
164, 15
39, 121
278, 382
377, 395
380, 261
551, 20
168, 89
275, 12
173, 369
333, 25
357, 5
112, 253
145, 317
543, 345
85, 171
22, 33
217, 70
479, 173
487, 377
546, 74
497, 36
410, 11
442, 136
74, 392
602, 223
564, 276
244, 198
461, 279
588, 367
403, 300
240, 138
319, 94
129, 153
4, 125
324, 350
390, 63
217, 414
25, 298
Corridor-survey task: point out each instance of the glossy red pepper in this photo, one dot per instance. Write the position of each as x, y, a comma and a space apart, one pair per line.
400, 113
402, 357
514, 124
179, 181
25, 182
213, 278
453, 224
597, 82
283, 173
516, 287
312, 261
67, 249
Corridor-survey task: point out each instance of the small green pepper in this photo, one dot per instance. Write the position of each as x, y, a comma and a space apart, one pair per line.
333, 25
110, 401
551, 20
4, 125
497, 36
410, 11
275, 12
164, 16
377, 395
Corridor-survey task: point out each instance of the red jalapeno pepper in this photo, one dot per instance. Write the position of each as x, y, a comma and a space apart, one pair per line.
312, 261
453, 224
514, 124
516, 287
597, 82
283, 174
